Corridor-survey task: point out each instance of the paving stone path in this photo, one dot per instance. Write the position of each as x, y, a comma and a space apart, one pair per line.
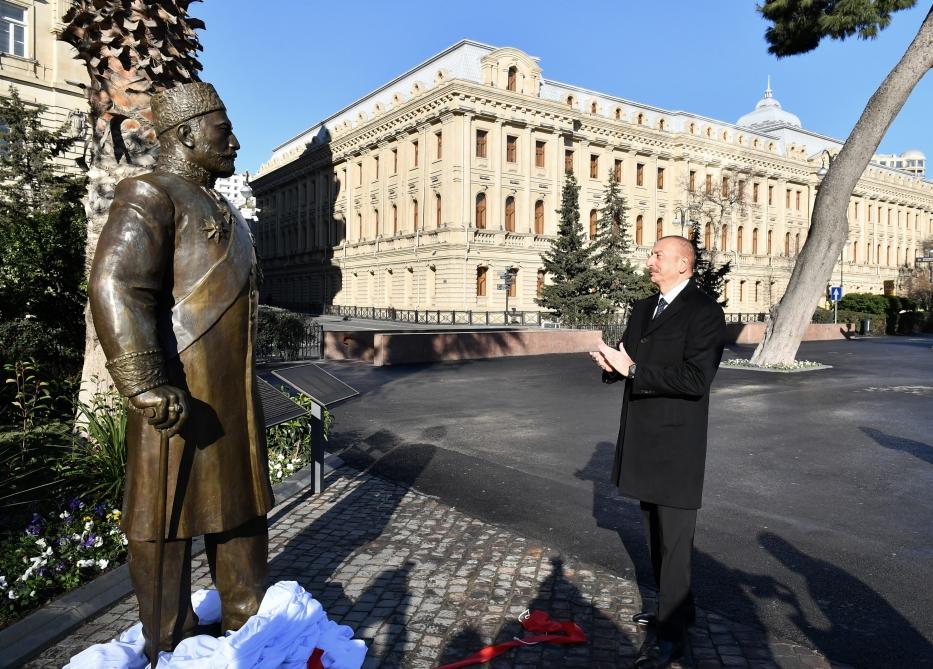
424, 584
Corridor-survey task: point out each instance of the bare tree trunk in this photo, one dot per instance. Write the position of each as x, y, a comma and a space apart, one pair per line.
132, 49
830, 226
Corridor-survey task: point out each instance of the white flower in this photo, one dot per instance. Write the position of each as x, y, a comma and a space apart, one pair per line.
124, 540
3, 582
102, 563
64, 515
12, 595
32, 594
81, 564
88, 526
77, 537
98, 542
40, 542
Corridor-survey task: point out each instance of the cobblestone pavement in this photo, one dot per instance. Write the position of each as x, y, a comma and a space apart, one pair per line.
424, 584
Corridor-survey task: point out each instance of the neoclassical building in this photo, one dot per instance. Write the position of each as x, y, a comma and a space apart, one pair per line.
420, 194
42, 69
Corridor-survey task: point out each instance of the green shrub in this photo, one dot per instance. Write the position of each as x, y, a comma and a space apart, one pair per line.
844, 317
289, 443
280, 332
867, 303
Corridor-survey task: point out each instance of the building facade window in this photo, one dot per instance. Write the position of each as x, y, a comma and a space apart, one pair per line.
414, 153
770, 195
594, 217
439, 144
787, 199
617, 170
798, 201
639, 174
376, 221
755, 241
787, 244
539, 286
594, 166
568, 161
13, 29
660, 178
708, 235
438, 210
510, 214
513, 286
414, 214
376, 166
481, 281
481, 143
725, 186
512, 81
511, 149
539, 154
740, 239
755, 193
797, 244
394, 161
639, 230
724, 238
539, 217
394, 220
659, 229
692, 181
481, 211
709, 184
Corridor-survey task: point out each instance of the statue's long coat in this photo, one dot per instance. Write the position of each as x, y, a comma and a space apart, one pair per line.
173, 272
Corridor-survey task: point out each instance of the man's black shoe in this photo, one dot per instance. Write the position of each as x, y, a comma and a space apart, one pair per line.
644, 618
659, 655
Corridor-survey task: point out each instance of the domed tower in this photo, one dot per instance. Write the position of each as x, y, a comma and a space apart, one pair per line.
768, 114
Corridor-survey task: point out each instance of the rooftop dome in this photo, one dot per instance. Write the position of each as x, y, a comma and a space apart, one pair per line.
768, 113
916, 154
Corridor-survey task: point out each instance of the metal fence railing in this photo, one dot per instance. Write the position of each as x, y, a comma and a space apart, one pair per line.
441, 316
308, 344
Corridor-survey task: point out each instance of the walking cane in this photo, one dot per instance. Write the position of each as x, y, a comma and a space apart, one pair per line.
160, 547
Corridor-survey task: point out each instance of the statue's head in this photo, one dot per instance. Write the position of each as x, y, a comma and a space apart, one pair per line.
192, 122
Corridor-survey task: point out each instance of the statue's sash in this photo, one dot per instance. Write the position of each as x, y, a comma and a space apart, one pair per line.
217, 290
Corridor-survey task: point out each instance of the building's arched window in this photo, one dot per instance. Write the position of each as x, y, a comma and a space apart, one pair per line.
594, 107
659, 229
539, 286
708, 236
742, 290
394, 220
376, 221
571, 101
755, 143
724, 238
887, 256
740, 238
797, 244
618, 113
787, 244
359, 226
692, 128
640, 119
755, 241
481, 281
593, 223
510, 214
854, 251
414, 214
639, 230
662, 124
539, 217
512, 83
709, 132
437, 210
481, 210
757, 291
513, 285
770, 240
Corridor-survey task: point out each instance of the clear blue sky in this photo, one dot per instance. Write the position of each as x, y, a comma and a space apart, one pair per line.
283, 65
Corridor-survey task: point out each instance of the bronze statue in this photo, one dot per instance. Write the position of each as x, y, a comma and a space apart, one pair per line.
174, 299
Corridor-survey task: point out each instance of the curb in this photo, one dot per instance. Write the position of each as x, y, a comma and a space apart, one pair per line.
28, 637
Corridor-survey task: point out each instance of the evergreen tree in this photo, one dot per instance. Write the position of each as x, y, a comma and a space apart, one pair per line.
572, 295
42, 230
709, 278
618, 281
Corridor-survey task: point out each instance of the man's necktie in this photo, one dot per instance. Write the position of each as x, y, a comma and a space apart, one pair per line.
662, 303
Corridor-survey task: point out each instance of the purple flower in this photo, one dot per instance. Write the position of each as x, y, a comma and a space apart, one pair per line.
100, 509
59, 568
74, 504
89, 542
33, 530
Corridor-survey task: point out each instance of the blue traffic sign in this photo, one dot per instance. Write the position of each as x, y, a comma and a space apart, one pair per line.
835, 293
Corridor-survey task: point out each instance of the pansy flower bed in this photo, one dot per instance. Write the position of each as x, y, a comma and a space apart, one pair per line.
55, 553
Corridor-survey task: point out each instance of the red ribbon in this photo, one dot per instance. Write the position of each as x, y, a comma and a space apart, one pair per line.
314, 662
543, 629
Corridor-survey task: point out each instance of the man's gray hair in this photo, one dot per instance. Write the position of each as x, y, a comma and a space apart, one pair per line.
686, 247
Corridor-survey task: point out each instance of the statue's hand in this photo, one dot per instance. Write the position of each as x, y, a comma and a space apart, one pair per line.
166, 406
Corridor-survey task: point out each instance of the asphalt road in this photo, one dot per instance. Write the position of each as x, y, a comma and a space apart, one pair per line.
817, 521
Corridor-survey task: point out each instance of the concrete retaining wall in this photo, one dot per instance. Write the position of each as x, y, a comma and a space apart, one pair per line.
398, 348
753, 333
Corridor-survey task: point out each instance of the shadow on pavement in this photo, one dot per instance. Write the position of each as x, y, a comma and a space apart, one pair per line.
353, 528
607, 645
917, 449
860, 627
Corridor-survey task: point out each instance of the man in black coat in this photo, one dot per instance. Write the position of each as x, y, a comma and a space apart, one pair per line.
668, 357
